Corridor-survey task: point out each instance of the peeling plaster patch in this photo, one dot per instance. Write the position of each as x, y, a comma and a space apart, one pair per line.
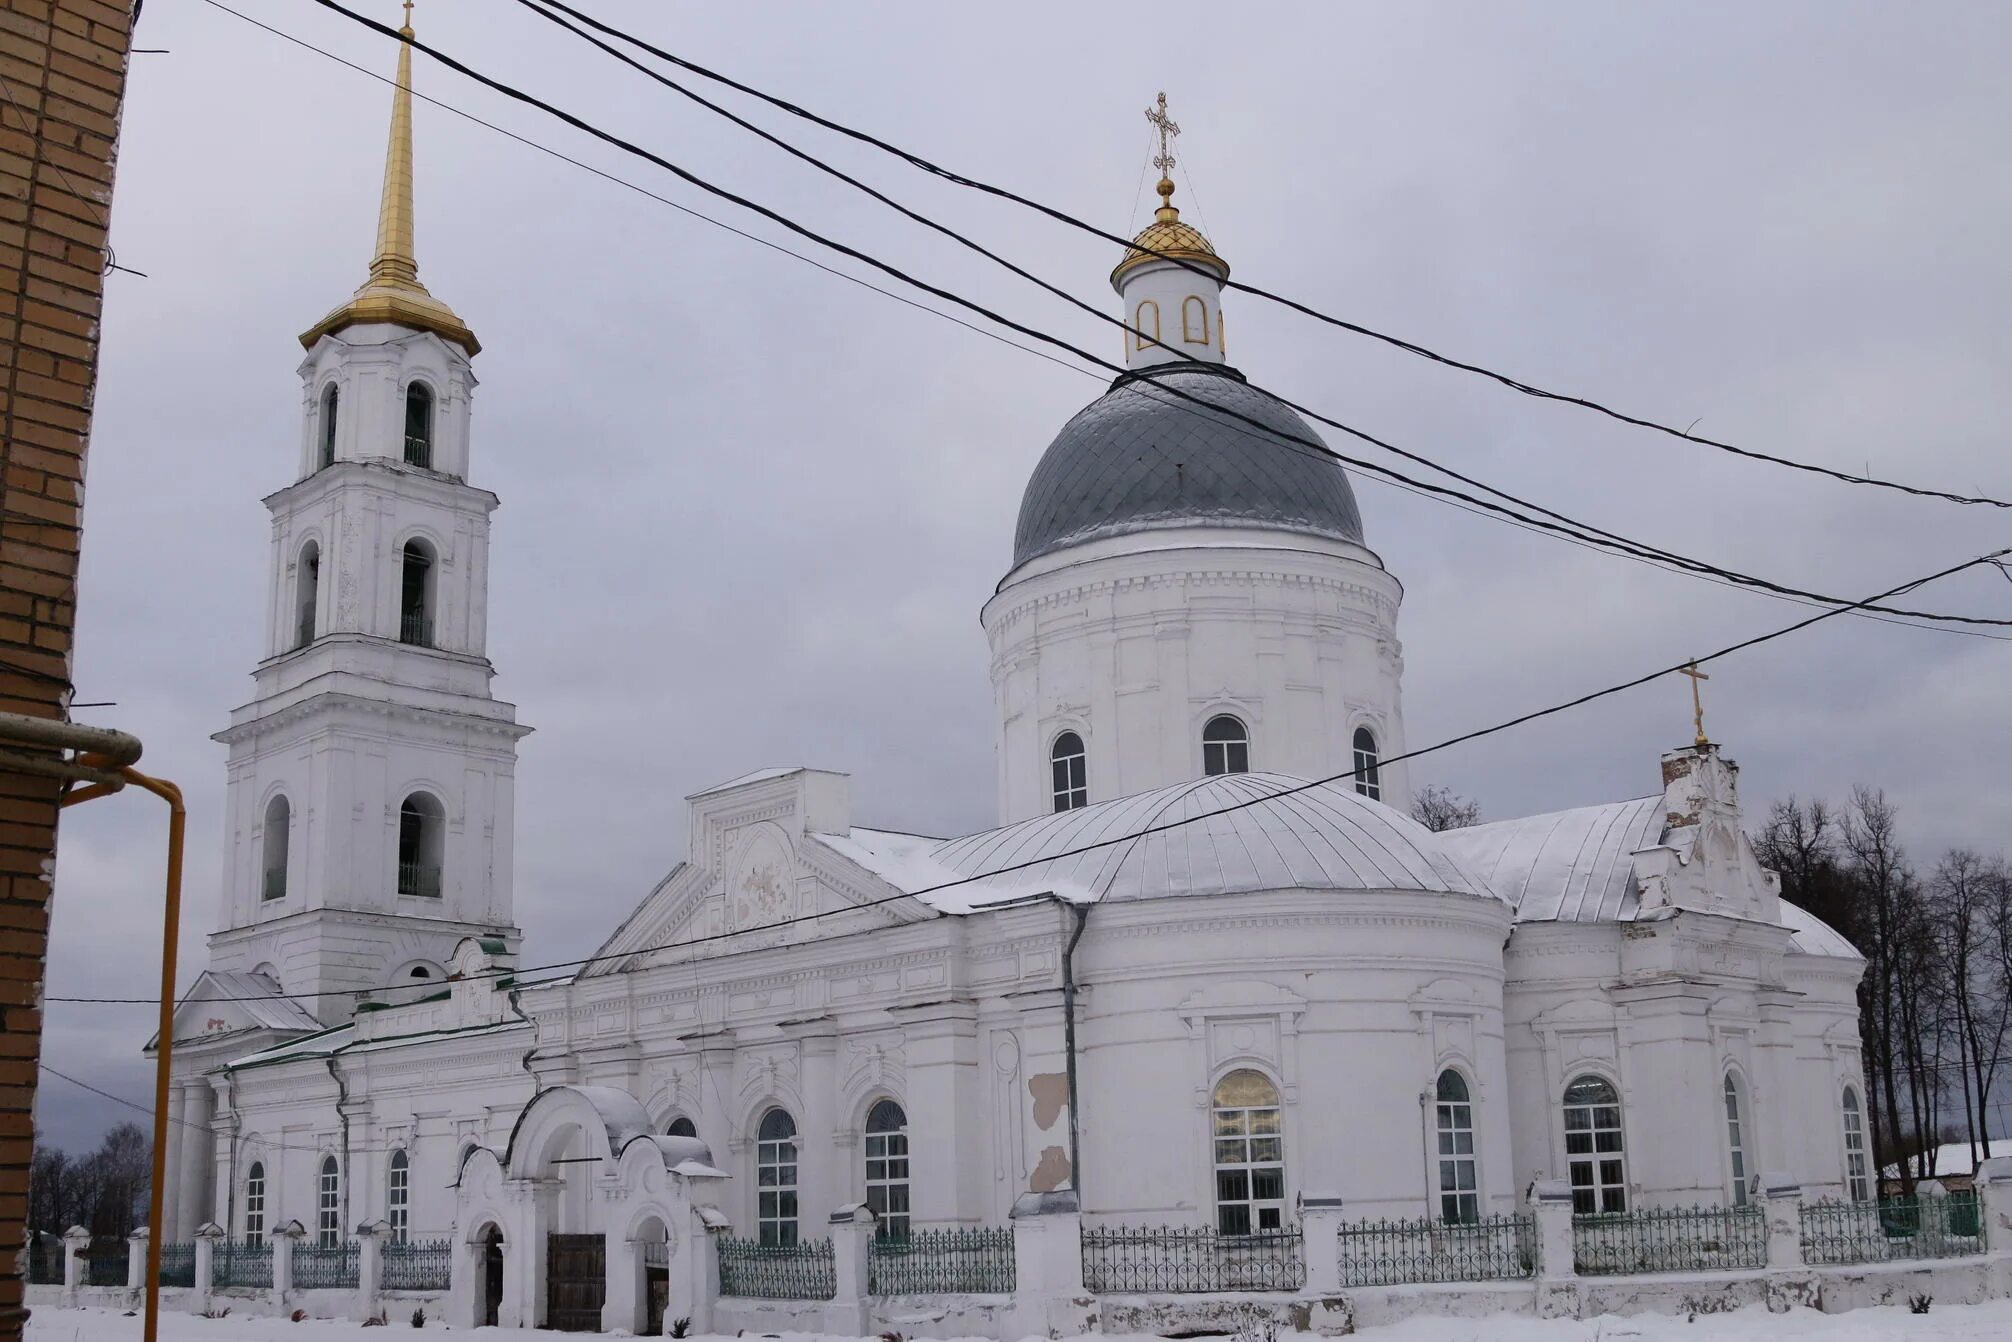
1051, 1173
1051, 1092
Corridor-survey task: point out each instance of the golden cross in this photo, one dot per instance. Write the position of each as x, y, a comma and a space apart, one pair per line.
408, 15
1697, 700
1158, 116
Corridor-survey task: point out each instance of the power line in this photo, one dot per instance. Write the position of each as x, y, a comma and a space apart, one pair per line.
1398, 342
1394, 480
263, 1143
1461, 739
1585, 530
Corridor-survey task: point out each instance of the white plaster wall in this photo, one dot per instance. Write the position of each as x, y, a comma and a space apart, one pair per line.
1167, 291
1136, 641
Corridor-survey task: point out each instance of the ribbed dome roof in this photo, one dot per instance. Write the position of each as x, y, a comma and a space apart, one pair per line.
1140, 457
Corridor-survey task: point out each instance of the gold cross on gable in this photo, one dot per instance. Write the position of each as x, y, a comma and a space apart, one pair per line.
1697, 699
1158, 116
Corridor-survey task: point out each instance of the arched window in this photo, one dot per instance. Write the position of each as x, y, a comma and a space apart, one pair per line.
1368, 779
682, 1127
1071, 772
1146, 325
422, 842
307, 593
329, 400
328, 1205
255, 1203
1249, 1155
397, 1190
1459, 1191
1736, 1148
887, 1168
278, 823
415, 596
1226, 746
775, 1178
418, 425
1593, 1147
1857, 1171
1194, 321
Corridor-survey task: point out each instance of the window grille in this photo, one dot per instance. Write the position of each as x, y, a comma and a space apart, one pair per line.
1071, 772
1226, 746
1593, 1147
887, 1168
775, 1179
1368, 774
1249, 1155
1459, 1191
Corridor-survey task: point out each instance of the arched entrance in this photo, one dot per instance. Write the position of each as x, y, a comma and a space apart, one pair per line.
489, 1286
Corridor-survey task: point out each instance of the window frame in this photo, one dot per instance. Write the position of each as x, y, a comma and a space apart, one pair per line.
1367, 765
418, 393
691, 1128
326, 419
1858, 1171
307, 593
426, 865
1200, 305
275, 834
418, 596
1222, 755
1240, 1129
1738, 1132
777, 1154
1605, 1189
1453, 1118
254, 1220
1140, 340
1069, 772
887, 1168
328, 1204
398, 1195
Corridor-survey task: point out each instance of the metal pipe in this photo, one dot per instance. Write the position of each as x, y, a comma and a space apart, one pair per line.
119, 750
55, 766
1082, 912
170, 936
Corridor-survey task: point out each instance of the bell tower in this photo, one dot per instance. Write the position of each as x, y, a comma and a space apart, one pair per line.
370, 792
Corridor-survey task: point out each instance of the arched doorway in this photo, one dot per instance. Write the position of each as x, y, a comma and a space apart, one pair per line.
576, 1255
490, 1285
653, 1258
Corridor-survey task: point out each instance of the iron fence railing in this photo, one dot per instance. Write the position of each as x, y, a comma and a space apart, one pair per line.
1897, 1228
316, 1268
178, 1264
960, 1260
1191, 1258
1402, 1252
1670, 1239
45, 1260
419, 450
419, 878
416, 630
418, 1265
274, 884
106, 1265
244, 1266
777, 1271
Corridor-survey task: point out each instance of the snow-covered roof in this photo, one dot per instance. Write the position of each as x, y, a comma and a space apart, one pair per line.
758, 776
1325, 837
1813, 936
1565, 866
342, 1039
256, 995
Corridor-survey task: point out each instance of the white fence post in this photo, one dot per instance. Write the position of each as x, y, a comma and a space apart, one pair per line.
695, 1270
76, 1241
1320, 1233
370, 1241
1781, 1198
136, 1259
207, 1236
1557, 1263
283, 1239
851, 1241
1048, 1295
1994, 1203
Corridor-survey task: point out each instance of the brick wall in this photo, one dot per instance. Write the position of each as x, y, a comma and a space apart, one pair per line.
62, 78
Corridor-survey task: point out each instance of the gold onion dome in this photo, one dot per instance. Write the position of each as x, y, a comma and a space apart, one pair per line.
1171, 238
393, 293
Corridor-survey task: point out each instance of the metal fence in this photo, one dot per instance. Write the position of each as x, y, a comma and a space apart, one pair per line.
1401, 1252
1878, 1232
246, 1267
418, 1265
777, 1271
319, 1269
1670, 1239
1191, 1258
45, 1260
105, 1264
178, 1264
941, 1262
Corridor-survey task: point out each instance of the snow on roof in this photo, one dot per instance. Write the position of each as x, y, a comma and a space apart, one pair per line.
256, 995
1323, 838
1813, 936
758, 776
1566, 866
342, 1039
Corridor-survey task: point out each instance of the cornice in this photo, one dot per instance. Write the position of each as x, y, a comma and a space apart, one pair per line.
328, 702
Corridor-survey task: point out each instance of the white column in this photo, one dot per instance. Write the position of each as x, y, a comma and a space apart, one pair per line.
1320, 1232
76, 1241
1551, 1201
370, 1238
283, 1239
851, 1238
206, 1266
695, 1269
1048, 1295
136, 1259
1781, 1199
192, 1178
624, 1302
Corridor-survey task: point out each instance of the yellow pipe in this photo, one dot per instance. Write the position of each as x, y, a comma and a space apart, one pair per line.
164, 1044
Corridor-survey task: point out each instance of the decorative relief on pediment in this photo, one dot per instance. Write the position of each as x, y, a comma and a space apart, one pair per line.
761, 885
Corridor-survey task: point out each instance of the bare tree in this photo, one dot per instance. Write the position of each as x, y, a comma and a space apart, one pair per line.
1965, 901
1439, 808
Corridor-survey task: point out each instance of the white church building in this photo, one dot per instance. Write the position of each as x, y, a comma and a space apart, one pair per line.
1179, 984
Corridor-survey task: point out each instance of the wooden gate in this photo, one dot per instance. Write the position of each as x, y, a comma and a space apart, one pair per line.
576, 1282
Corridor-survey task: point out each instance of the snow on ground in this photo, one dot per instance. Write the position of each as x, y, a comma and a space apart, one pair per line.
1990, 1322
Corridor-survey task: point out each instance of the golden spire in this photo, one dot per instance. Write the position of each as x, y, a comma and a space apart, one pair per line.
393, 293
1167, 235
1697, 701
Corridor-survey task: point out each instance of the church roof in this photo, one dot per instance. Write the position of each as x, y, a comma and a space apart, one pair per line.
1138, 458
1813, 936
1327, 837
1565, 866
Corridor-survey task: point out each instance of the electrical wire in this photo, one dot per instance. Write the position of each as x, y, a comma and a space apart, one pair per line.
1396, 482
818, 915
1593, 534
1397, 342
263, 1143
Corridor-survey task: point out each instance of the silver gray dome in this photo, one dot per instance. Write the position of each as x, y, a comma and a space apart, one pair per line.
1139, 457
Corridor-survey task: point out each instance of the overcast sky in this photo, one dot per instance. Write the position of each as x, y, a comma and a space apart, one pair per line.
750, 510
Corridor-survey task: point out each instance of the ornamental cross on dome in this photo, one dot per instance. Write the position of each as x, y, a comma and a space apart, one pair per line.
1157, 114
1697, 700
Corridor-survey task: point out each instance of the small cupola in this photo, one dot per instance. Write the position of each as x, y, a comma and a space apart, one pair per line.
1171, 279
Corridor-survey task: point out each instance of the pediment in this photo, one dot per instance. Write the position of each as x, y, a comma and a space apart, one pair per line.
233, 1004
